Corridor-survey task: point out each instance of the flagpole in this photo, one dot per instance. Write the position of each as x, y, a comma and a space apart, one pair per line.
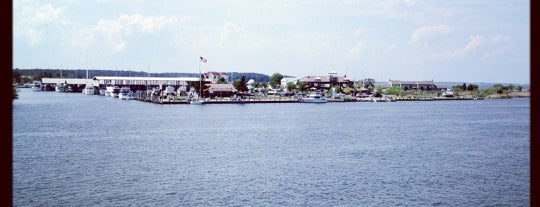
200, 77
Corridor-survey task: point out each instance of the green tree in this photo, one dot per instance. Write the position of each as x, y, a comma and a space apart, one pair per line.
291, 86
519, 88
379, 88
498, 88
369, 86
197, 85
510, 87
240, 85
221, 80
464, 87
275, 79
472, 87
302, 86
16, 77
394, 90
347, 90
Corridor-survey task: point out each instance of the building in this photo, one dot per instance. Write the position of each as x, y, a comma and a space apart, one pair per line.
326, 82
220, 90
214, 76
414, 85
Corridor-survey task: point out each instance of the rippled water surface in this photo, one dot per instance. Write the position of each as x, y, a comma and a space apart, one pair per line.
81, 150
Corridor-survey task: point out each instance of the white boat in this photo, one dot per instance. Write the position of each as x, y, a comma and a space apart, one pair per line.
88, 89
124, 93
196, 100
36, 86
60, 88
115, 92
448, 93
314, 97
109, 90
102, 91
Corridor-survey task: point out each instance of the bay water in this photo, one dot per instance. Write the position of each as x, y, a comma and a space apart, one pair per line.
71, 149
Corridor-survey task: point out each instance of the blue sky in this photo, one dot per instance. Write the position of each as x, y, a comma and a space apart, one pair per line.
469, 41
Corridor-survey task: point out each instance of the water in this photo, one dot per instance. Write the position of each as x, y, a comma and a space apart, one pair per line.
81, 150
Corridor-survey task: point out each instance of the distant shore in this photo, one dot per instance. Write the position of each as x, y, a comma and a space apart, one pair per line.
513, 94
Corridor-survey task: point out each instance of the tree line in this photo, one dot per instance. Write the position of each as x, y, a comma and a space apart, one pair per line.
22, 76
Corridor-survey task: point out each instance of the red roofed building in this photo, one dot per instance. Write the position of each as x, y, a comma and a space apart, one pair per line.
326, 82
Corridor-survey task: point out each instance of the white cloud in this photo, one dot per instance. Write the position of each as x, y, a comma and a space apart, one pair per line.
475, 41
423, 34
32, 20
47, 14
229, 29
490, 47
115, 31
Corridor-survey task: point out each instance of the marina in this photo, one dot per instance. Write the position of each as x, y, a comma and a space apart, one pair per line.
179, 90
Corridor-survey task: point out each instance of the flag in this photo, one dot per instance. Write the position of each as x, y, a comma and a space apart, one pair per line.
203, 59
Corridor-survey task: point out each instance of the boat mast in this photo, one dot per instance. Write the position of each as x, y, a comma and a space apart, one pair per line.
200, 79
87, 67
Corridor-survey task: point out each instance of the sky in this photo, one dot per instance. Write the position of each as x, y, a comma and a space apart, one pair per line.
458, 40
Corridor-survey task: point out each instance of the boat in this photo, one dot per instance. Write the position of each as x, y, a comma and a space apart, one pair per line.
60, 88
102, 91
36, 86
115, 92
124, 93
314, 97
448, 93
88, 89
196, 100
109, 90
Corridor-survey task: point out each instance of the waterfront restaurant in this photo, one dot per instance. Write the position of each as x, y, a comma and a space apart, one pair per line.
414, 85
221, 90
326, 82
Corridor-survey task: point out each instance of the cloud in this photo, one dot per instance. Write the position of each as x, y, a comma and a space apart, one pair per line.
115, 31
490, 47
229, 29
32, 20
475, 41
425, 33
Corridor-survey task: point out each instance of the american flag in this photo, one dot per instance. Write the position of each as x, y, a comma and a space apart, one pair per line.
203, 59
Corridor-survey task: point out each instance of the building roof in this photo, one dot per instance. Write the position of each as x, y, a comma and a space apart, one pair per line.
397, 82
221, 88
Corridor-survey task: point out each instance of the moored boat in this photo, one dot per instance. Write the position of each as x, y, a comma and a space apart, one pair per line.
88, 89
115, 92
60, 88
36, 86
314, 97
124, 93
